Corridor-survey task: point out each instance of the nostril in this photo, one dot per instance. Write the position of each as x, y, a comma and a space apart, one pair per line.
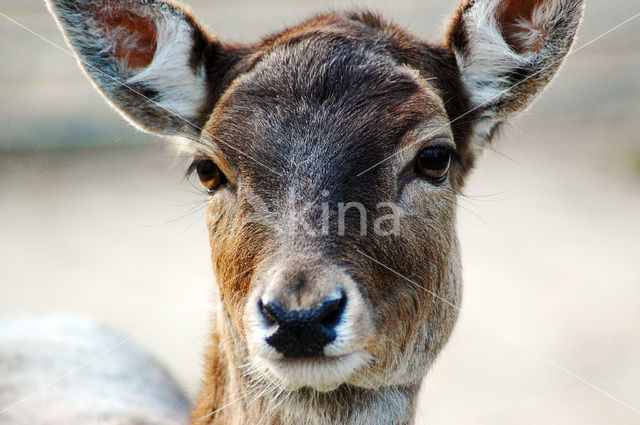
268, 312
303, 333
332, 312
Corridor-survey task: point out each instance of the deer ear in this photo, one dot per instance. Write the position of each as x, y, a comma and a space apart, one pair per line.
149, 58
508, 51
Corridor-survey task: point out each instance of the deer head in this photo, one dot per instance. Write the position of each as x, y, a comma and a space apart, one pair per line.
332, 154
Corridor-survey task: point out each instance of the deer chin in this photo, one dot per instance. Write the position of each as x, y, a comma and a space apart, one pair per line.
323, 374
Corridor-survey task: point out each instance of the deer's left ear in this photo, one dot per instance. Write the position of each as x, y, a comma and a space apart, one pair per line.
149, 58
508, 51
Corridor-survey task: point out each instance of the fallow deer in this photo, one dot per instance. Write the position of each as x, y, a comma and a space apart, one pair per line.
335, 320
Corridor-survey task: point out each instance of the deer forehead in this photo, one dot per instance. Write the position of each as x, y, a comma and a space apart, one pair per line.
321, 108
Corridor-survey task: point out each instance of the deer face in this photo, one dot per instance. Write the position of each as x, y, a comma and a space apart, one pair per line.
299, 127
333, 153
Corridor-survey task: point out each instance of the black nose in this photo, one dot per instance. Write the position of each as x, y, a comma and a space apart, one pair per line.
303, 333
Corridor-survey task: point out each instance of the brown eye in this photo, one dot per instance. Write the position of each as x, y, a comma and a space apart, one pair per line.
209, 173
433, 163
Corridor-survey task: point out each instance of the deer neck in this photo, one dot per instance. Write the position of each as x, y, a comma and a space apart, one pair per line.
229, 397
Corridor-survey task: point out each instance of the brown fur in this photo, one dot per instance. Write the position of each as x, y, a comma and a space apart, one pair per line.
333, 112
130, 25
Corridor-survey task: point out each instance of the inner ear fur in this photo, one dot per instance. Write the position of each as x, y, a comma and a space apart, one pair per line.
523, 24
507, 51
149, 58
134, 38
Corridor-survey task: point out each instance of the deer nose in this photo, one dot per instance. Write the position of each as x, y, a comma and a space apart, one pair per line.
303, 333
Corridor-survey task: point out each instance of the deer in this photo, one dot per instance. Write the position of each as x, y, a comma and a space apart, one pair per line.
326, 120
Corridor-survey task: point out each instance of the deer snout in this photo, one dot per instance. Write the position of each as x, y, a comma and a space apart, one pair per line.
307, 312
308, 325
303, 333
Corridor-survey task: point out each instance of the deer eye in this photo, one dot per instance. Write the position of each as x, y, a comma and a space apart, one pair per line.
433, 163
209, 174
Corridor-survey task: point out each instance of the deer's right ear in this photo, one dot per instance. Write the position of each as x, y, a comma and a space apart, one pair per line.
149, 58
508, 51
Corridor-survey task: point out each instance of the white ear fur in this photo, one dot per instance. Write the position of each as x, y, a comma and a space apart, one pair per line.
164, 90
490, 57
182, 89
487, 53
505, 65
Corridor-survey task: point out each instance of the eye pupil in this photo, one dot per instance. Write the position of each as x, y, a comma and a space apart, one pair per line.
209, 174
206, 167
434, 163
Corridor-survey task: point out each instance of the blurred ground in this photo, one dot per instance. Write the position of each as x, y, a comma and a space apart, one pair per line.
101, 223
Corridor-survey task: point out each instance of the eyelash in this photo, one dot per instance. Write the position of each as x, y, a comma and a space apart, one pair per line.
191, 169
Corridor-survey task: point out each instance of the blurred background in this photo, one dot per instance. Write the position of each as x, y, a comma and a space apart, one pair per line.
97, 220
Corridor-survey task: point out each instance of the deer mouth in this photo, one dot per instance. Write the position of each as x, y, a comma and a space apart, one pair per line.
323, 374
